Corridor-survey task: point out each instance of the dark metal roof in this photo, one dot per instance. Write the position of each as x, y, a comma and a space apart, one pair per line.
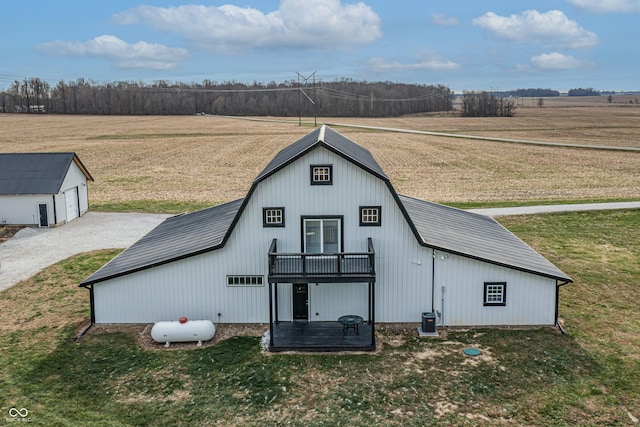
437, 226
476, 236
175, 238
330, 139
36, 173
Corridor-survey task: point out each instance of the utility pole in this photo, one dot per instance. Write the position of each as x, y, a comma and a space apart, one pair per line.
300, 91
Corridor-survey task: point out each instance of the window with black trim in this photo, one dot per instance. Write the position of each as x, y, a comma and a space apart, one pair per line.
321, 174
370, 216
245, 281
273, 217
495, 293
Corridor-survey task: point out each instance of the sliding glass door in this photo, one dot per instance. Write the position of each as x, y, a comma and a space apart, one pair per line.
322, 235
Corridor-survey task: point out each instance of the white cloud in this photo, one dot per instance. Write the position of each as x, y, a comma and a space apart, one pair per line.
429, 63
551, 28
609, 6
553, 61
557, 61
443, 20
317, 24
121, 53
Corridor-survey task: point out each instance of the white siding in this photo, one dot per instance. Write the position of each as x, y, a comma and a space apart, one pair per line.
328, 301
74, 178
23, 209
196, 287
530, 298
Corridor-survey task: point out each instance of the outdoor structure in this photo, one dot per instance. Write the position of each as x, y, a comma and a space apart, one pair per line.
42, 189
322, 248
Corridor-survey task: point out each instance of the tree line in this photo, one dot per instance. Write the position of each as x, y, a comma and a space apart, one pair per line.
340, 98
484, 104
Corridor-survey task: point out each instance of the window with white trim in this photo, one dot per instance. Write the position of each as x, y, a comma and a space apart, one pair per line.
370, 216
321, 174
245, 281
273, 217
495, 293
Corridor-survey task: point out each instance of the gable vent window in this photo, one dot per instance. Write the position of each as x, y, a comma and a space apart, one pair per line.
273, 217
244, 281
321, 174
495, 293
370, 216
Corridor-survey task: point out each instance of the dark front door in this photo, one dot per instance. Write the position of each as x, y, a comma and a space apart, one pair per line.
44, 217
300, 301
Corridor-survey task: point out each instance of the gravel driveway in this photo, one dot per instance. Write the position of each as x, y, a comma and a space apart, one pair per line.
33, 249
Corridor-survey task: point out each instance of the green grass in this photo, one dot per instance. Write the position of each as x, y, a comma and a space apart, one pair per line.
591, 376
151, 206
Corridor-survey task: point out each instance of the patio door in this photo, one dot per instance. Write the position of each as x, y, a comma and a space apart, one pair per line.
300, 301
322, 235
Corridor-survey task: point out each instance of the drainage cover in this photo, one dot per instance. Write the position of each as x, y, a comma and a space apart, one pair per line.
470, 351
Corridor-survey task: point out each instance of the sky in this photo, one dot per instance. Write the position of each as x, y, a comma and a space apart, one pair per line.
463, 44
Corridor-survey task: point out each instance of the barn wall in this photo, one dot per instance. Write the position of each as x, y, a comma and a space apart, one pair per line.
73, 178
196, 287
23, 209
530, 298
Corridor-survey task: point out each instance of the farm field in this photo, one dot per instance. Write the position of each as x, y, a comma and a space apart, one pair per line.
208, 159
524, 377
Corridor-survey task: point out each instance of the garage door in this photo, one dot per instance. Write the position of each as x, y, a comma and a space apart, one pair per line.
71, 202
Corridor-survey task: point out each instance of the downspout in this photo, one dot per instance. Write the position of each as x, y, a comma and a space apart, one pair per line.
433, 280
558, 303
55, 213
93, 315
270, 316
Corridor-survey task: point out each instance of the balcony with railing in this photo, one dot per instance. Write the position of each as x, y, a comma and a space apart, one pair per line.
308, 267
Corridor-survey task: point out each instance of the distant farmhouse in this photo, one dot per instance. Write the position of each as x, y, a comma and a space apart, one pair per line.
323, 236
42, 189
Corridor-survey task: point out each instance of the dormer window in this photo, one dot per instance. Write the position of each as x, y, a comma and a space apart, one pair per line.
321, 174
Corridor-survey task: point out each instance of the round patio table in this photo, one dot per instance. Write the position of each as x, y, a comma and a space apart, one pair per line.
350, 321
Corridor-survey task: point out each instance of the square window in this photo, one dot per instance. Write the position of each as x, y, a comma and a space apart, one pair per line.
370, 216
321, 174
273, 217
495, 293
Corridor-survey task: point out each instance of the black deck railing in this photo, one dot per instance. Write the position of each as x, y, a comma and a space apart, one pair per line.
343, 264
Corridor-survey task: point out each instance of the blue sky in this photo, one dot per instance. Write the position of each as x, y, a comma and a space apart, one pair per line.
465, 44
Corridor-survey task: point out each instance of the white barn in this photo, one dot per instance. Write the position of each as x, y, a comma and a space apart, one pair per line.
42, 189
321, 234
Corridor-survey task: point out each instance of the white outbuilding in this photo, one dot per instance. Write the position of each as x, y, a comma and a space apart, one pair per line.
322, 248
42, 189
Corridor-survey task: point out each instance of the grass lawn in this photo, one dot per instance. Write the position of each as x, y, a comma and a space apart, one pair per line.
591, 376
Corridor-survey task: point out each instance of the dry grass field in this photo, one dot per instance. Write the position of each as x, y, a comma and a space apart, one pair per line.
210, 159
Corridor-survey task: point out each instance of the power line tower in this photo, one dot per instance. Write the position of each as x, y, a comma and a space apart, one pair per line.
302, 92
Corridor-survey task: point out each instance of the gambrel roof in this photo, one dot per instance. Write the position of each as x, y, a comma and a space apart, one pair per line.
333, 141
36, 173
435, 226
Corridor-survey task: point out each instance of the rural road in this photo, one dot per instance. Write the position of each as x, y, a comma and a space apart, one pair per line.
530, 210
33, 249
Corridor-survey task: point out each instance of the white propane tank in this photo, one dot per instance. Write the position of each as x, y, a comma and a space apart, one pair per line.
183, 330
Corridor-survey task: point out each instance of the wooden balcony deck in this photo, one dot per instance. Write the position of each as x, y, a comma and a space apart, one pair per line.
321, 336
306, 267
